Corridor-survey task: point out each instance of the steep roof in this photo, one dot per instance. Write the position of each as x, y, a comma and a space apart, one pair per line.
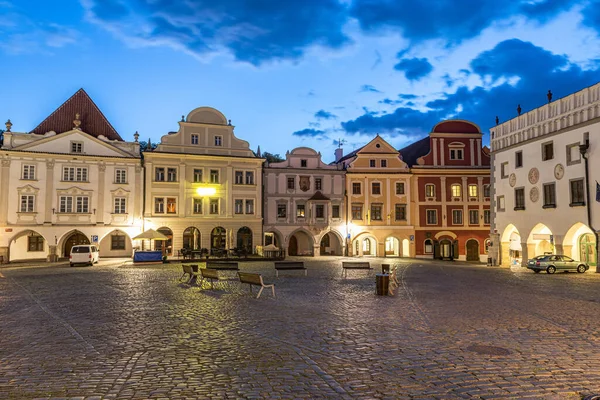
92, 120
456, 126
349, 155
412, 152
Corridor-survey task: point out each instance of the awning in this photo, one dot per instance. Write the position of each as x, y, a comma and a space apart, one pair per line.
515, 245
151, 234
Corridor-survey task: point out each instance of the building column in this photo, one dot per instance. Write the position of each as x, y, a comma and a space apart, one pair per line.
465, 200
504, 254
480, 199
100, 194
52, 253
49, 192
137, 205
5, 188
4, 254
443, 199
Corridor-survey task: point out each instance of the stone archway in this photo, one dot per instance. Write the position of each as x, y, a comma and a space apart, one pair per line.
116, 244
244, 239
165, 245
192, 238
330, 245
539, 242
392, 247
580, 244
218, 240
74, 239
27, 245
510, 246
300, 244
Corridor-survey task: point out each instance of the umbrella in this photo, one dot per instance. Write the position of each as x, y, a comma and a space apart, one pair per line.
151, 234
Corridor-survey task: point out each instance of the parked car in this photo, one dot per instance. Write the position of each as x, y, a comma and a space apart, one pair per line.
554, 262
84, 254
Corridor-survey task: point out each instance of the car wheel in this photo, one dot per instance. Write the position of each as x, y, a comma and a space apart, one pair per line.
537, 271
551, 269
581, 269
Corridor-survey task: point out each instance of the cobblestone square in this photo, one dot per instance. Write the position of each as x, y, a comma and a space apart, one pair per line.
452, 330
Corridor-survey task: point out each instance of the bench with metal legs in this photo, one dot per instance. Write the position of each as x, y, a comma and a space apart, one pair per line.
255, 280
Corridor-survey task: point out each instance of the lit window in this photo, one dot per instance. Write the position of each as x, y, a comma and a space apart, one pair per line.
171, 205
472, 190
300, 211
281, 211
430, 190
456, 190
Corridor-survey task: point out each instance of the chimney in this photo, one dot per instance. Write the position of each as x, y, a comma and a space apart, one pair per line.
339, 153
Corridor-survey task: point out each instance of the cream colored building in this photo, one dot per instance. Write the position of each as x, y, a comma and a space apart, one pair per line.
543, 199
203, 187
72, 180
304, 205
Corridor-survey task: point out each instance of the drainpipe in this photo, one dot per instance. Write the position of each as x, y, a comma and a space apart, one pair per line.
583, 148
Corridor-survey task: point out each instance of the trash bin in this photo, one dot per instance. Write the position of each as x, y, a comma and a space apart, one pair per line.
382, 282
385, 268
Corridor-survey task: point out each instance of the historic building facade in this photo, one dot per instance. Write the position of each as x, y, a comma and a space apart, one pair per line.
71, 180
203, 187
451, 192
545, 173
304, 205
379, 216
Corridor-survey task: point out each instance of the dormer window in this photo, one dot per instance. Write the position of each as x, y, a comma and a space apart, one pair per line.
383, 163
76, 147
194, 139
372, 163
303, 163
219, 141
456, 154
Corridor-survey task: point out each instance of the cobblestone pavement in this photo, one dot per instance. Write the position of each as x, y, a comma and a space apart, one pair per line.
451, 331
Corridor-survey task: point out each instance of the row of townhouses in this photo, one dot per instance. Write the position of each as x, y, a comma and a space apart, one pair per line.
74, 180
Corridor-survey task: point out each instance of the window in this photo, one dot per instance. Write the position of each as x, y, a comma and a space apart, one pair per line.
218, 141
35, 242
577, 192
500, 203
214, 176
547, 151
456, 190
197, 208
430, 190
320, 211
376, 188
117, 242
281, 211
249, 178
28, 172
76, 147
456, 154
486, 217
172, 174
573, 154
518, 159
291, 183
171, 205
197, 175
549, 195
428, 246
335, 211
300, 211
214, 206
159, 174
239, 206
159, 205
519, 199
473, 191
372, 163
82, 204
399, 187
457, 217
376, 212
355, 187
303, 163
400, 212
249, 206
120, 175
473, 217
318, 184
75, 174
431, 217
357, 211
504, 170
383, 163
194, 138
239, 177
27, 203
120, 203
486, 191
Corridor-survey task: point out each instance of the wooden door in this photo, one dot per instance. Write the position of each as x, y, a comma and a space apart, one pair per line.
74, 240
472, 250
293, 247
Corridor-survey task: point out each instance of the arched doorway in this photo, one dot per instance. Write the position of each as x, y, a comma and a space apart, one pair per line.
580, 244
27, 245
445, 249
293, 247
392, 247
587, 248
218, 240
510, 247
244, 239
166, 246
330, 245
367, 247
472, 248
74, 239
540, 241
191, 238
325, 243
272, 239
301, 244
405, 248
116, 244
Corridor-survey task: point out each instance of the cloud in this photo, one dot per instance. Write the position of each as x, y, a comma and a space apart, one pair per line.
322, 114
414, 68
309, 132
253, 32
369, 88
537, 71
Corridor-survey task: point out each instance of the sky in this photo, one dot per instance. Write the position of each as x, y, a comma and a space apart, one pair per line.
299, 72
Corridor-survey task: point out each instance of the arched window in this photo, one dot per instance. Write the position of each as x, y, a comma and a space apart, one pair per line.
430, 190
456, 190
428, 246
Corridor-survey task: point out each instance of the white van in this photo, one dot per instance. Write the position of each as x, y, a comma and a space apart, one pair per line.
84, 254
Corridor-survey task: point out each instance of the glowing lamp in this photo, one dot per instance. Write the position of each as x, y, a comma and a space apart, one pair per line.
206, 191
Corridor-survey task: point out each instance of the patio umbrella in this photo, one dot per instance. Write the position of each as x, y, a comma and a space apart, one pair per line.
151, 234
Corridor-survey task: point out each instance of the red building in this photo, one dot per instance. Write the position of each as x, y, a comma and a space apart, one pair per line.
451, 179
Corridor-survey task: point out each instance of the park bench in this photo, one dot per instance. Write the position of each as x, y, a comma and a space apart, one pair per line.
222, 265
289, 265
255, 280
209, 274
346, 265
191, 271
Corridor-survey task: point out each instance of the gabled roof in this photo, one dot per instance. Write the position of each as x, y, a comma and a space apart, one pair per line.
349, 155
92, 120
412, 152
319, 196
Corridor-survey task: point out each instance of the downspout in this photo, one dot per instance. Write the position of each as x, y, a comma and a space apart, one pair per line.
583, 148
143, 196
346, 206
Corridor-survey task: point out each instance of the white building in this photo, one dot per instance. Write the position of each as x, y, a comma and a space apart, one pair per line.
543, 200
203, 187
72, 180
304, 205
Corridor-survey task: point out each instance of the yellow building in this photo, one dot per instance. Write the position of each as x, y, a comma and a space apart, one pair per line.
379, 219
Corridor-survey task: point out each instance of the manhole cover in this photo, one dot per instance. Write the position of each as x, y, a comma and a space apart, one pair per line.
490, 350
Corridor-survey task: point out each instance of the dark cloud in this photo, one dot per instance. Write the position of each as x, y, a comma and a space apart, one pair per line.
414, 68
369, 88
322, 114
537, 71
314, 133
254, 31
591, 15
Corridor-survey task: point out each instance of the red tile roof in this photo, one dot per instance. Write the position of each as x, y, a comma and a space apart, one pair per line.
456, 126
92, 120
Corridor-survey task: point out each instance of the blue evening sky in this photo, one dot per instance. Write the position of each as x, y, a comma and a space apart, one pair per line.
298, 72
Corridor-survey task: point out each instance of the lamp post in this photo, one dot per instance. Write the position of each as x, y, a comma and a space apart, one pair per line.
583, 148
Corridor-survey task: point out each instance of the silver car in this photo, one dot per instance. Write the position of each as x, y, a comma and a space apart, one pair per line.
554, 262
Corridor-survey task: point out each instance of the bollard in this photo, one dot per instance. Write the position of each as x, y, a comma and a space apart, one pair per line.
382, 282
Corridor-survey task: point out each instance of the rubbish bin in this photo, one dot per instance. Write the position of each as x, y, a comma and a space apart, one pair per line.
385, 268
382, 282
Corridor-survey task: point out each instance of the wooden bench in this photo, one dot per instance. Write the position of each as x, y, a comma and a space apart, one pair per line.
191, 272
346, 265
289, 265
209, 274
255, 280
224, 265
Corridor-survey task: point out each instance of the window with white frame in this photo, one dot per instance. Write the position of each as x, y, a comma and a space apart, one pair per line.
486, 190
383, 163
431, 217
82, 204
486, 217
281, 211
239, 177
74, 204
456, 190
159, 174
457, 217
239, 206
197, 175
76, 147
172, 174
214, 176
120, 205
194, 138
65, 204
428, 246
335, 211
372, 163
473, 217
399, 187
430, 190
504, 170
120, 175
318, 184
171, 205
28, 172
356, 188
214, 206
249, 206
473, 192
573, 154
159, 205
197, 207
75, 174
375, 188
456, 154
249, 177
27, 203
219, 141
